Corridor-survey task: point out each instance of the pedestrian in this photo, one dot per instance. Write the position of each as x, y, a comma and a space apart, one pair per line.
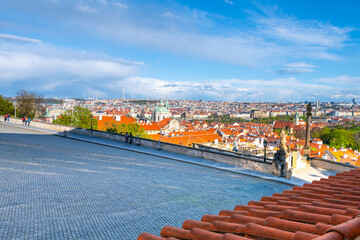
126, 137
29, 119
5, 118
8, 117
26, 119
23, 120
131, 138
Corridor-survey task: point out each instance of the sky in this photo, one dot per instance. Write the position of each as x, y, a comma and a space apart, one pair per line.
220, 50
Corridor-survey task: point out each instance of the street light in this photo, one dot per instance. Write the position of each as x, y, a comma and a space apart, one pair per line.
15, 107
91, 118
265, 145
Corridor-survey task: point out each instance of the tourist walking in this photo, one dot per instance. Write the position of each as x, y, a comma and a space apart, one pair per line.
131, 138
25, 122
8, 117
28, 121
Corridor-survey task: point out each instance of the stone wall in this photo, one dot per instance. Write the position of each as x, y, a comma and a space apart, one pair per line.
330, 165
50, 126
229, 158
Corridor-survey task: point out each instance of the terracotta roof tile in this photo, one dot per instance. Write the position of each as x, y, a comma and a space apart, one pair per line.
325, 209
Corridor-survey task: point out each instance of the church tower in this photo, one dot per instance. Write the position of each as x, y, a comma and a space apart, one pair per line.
161, 112
296, 120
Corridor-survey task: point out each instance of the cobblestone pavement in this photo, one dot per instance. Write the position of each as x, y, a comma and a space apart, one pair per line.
58, 188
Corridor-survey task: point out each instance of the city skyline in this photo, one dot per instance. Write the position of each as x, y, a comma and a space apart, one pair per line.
259, 51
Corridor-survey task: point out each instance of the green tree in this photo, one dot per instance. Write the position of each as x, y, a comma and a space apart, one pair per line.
271, 119
223, 119
6, 107
134, 128
315, 132
338, 138
79, 117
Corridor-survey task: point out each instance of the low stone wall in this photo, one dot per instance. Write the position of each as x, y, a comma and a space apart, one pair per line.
55, 127
330, 165
229, 158
237, 154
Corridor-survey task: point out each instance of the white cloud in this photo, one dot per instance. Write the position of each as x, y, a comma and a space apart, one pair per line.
294, 71
120, 5
300, 65
15, 65
63, 72
91, 92
281, 89
49, 68
335, 96
351, 95
200, 34
272, 38
103, 2
14, 38
88, 9
168, 14
297, 68
344, 80
229, 1
304, 32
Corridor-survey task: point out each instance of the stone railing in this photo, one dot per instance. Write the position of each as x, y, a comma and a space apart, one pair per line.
223, 157
330, 165
232, 153
49, 126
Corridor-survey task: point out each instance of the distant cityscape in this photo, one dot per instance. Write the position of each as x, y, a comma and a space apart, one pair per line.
231, 126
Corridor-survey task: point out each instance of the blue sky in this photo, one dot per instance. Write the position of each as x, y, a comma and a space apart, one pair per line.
228, 50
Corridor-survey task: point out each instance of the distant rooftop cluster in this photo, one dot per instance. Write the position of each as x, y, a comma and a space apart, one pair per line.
204, 123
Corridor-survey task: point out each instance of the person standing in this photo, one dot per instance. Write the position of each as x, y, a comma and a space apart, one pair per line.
28, 121
8, 117
25, 122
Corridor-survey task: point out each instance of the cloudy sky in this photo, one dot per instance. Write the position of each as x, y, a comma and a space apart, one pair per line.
229, 50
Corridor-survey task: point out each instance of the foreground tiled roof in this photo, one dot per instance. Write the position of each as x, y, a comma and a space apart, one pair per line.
324, 209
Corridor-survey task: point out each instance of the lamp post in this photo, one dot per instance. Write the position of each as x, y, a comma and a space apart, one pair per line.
15, 107
265, 145
91, 118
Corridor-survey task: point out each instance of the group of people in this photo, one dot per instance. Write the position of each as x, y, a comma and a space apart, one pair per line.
128, 139
7, 117
26, 120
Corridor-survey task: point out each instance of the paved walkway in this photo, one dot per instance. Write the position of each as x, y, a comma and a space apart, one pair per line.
59, 188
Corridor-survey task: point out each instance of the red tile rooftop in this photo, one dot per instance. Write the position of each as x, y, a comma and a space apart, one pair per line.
328, 209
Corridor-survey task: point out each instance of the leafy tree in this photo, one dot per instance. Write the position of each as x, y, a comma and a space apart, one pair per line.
300, 134
315, 132
29, 103
223, 119
338, 138
79, 117
271, 119
6, 107
134, 128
